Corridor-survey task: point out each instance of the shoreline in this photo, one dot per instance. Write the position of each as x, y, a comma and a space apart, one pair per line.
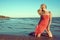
24, 37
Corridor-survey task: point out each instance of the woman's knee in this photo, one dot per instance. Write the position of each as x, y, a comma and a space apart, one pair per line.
47, 30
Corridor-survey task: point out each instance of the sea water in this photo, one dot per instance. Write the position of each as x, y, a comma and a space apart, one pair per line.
24, 26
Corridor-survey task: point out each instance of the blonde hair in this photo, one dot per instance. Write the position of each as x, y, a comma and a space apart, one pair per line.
45, 5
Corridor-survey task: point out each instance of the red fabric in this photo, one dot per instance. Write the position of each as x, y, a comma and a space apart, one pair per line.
43, 23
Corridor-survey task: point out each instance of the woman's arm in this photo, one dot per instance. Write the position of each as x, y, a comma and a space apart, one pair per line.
50, 20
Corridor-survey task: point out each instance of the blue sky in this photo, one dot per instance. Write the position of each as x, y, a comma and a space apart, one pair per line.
27, 8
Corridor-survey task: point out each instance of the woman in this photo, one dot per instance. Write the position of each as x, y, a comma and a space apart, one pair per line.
45, 21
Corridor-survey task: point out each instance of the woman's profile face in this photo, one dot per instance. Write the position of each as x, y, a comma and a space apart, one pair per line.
43, 6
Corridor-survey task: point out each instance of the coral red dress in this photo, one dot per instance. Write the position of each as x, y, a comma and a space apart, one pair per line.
43, 23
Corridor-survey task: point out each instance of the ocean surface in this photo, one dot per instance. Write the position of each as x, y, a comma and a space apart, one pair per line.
24, 26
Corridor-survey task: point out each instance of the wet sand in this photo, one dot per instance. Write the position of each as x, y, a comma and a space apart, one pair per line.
29, 37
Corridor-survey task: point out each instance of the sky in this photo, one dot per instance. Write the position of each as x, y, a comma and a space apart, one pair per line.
28, 8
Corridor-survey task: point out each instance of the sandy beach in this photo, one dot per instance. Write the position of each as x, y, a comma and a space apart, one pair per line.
22, 37
30, 37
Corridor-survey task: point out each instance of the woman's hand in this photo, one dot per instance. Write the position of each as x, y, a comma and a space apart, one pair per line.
40, 11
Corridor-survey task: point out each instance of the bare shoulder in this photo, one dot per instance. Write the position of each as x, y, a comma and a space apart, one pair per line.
50, 13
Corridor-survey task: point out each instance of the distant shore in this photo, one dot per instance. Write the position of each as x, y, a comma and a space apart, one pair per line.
1, 16
4, 16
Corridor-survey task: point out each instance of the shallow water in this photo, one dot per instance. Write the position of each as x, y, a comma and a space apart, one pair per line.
23, 26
